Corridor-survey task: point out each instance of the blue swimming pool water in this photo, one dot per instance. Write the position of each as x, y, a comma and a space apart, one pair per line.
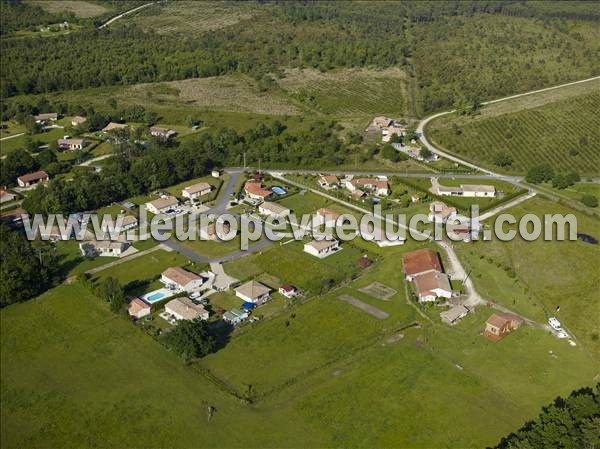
156, 295
279, 190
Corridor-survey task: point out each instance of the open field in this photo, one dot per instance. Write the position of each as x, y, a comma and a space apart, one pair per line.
308, 369
561, 128
349, 92
141, 275
534, 278
80, 8
191, 17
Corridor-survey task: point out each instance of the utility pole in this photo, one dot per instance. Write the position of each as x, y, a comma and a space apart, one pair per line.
244, 161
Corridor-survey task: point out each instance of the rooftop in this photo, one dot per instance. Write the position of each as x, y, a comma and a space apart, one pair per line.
253, 289
180, 276
420, 261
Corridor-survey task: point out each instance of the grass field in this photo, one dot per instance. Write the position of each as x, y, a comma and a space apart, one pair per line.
141, 275
81, 9
192, 17
350, 92
536, 277
310, 378
560, 127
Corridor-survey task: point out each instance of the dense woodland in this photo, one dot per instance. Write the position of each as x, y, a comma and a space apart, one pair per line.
449, 53
571, 423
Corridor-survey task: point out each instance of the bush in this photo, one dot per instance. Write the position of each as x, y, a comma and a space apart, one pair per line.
540, 173
589, 200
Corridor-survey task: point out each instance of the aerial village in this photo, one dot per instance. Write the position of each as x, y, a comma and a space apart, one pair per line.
204, 289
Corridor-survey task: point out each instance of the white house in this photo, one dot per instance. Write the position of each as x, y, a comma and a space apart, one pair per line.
6, 196
32, 178
253, 292
235, 316
162, 205
178, 279
472, 190
47, 117
128, 222
71, 144
78, 120
273, 209
322, 248
467, 190
439, 212
137, 308
103, 248
197, 190
454, 314
215, 173
256, 191
433, 285
289, 291
162, 132
378, 186
186, 309
329, 181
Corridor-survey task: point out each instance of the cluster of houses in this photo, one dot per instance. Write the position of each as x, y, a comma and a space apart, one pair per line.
167, 204
465, 190
387, 127
177, 280
358, 187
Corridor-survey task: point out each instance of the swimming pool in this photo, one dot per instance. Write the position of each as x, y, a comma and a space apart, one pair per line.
156, 295
279, 190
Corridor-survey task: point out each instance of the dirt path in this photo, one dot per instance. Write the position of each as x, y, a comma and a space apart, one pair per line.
105, 24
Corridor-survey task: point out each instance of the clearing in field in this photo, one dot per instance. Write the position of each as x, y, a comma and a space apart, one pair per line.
379, 291
367, 308
349, 92
193, 17
236, 93
560, 127
81, 9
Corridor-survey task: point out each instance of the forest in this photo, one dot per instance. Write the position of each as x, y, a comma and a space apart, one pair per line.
513, 46
570, 423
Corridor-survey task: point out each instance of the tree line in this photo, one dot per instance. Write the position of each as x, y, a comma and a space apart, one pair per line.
567, 423
138, 169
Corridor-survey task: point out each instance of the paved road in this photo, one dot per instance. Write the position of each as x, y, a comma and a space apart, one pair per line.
124, 14
390, 173
422, 126
220, 208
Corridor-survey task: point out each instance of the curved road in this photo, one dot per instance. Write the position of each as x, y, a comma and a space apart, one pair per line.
515, 180
107, 23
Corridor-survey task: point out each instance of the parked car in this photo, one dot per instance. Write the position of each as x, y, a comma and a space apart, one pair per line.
554, 323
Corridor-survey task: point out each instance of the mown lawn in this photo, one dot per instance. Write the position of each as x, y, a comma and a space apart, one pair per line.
141, 274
